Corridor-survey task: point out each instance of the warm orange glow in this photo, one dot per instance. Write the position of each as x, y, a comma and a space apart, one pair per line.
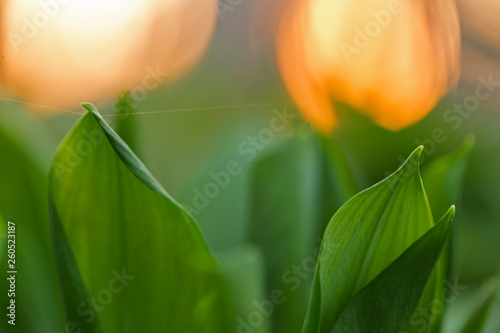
391, 59
479, 19
68, 51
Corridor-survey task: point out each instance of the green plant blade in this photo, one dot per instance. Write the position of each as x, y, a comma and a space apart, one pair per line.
365, 235
338, 180
23, 184
478, 317
284, 223
388, 302
126, 125
312, 322
443, 179
141, 257
73, 288
243, 268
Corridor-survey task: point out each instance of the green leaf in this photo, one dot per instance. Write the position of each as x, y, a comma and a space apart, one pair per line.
477, 319
338, 180
443, 179
365, 235
126, 126
284, 223
387, 303
243, 268
23, 183
121, 240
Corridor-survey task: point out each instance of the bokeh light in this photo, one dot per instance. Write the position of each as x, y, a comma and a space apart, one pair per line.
60, 53
392, 60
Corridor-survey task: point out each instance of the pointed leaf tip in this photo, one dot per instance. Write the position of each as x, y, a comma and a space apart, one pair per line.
91, 108
414, 158
416, 153
88, 106
450, 214
411, 165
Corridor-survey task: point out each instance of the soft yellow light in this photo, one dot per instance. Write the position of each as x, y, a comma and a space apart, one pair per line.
104, 25
62, 52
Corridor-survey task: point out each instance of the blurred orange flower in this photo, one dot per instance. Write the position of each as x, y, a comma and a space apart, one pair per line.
60, 52
393, 59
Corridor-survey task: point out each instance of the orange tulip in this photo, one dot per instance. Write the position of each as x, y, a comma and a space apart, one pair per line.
393, 59
60, 53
